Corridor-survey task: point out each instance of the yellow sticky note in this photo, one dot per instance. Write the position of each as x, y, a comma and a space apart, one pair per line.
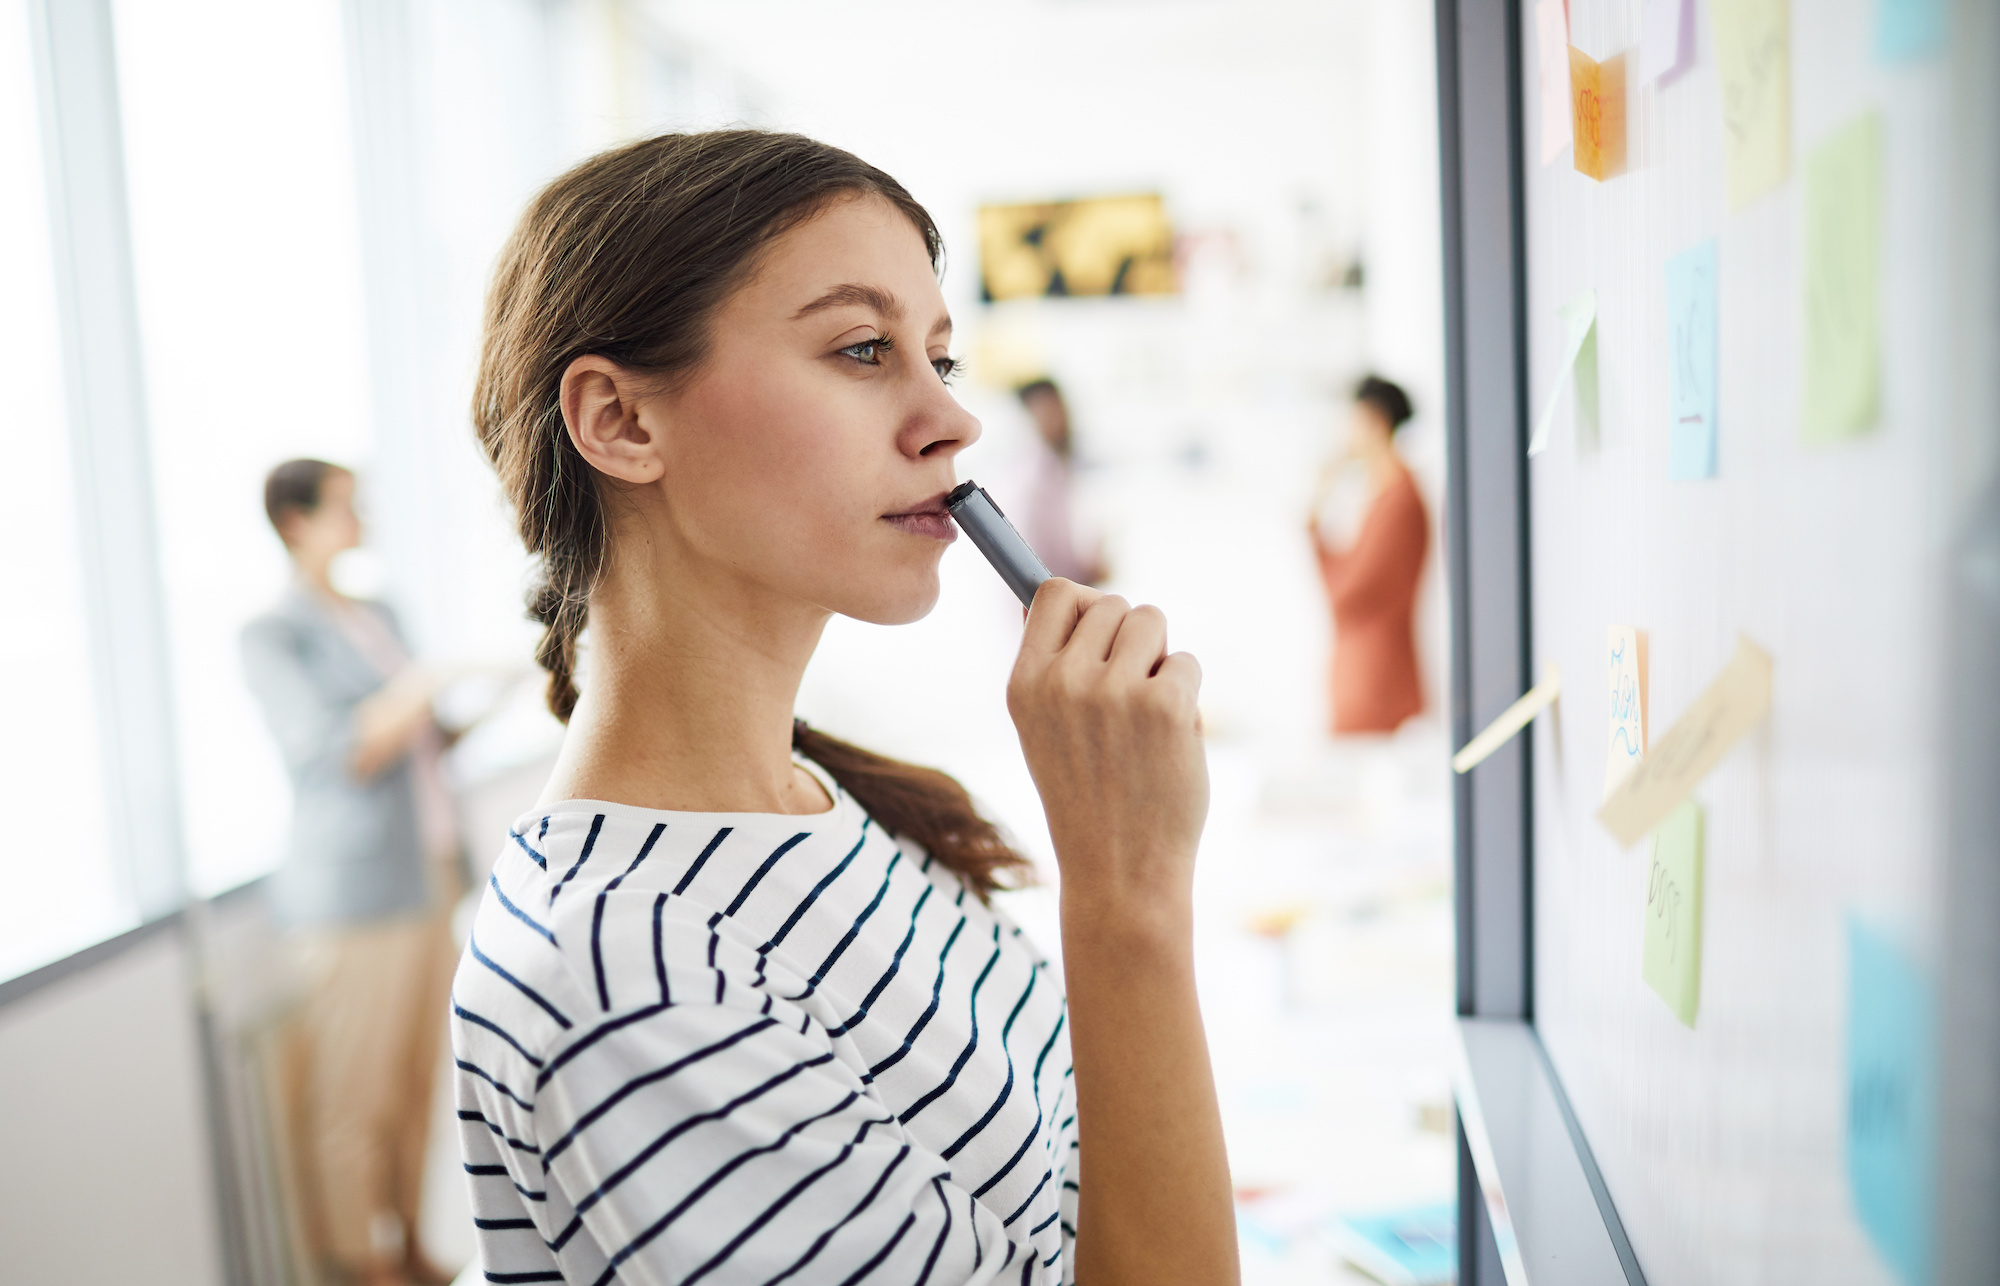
1671, 961
1626, 647
1735, 703
1753, 53
1844, 283
1597, 99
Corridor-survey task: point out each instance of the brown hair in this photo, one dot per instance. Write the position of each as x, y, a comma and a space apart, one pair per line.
627, 256
294, 487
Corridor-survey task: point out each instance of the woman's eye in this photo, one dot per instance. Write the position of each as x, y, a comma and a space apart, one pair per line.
947, 367
868, 350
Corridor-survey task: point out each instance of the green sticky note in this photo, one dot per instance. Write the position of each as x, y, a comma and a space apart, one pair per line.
1843, 252
1672, 962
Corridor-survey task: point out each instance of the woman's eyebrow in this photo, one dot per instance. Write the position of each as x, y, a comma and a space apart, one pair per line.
884, 303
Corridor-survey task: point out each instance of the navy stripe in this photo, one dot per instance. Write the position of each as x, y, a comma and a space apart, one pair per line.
875, 992
658, 1074
522, 840
881, 1254
592, 1036
502, 1225
1012, 1161
487, 1076
485, 1169
798, 911
743, 894
937, 1186
467, 1114
702, 860
964, 1055
867, 1200
517, 912
707, 1185
1053, 1216
524, 1277
685, 1124
1023, 1207
1053, 1256
853, 932
472, 945
1007, 1089
930, 1011
770, 1212
589, 843
493, 1027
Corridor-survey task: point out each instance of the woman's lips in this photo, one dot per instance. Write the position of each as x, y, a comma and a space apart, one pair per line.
934, 523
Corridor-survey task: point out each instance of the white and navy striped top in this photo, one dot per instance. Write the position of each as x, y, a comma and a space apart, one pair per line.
732, 1048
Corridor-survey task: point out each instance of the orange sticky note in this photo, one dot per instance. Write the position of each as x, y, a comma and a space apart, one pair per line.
1597, 102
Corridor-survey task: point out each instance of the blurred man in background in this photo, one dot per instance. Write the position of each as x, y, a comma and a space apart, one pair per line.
368, 881
1046, 517
1371, 583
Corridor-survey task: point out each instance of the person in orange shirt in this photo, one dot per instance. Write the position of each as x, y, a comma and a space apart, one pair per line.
1371, 584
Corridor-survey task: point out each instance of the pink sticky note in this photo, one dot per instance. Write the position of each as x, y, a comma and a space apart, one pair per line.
1666, 44
1552, 64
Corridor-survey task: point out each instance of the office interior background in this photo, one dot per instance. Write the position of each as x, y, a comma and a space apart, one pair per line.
276, 219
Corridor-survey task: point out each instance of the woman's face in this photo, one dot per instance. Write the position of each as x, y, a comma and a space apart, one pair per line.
811, 453
331, 528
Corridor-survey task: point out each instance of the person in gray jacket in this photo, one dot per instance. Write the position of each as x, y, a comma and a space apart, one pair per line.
367, 884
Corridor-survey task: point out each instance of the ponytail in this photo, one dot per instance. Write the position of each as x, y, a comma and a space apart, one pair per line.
920, 804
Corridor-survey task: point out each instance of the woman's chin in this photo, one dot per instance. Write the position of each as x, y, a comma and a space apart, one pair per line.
898, 601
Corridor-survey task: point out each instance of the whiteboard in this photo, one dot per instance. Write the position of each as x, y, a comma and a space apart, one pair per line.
1725, 1146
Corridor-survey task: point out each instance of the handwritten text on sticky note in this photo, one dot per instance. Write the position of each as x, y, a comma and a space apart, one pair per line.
1670, 959
1691, 354
1753, 54
1628, 705
1843, 253
1735, 703
1891, 1098
1597, 94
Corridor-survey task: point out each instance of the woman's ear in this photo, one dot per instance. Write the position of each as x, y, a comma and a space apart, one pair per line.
600, 408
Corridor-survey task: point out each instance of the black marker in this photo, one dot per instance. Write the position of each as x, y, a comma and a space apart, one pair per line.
981, 519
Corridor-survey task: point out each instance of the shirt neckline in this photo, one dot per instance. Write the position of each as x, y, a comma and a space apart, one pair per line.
834, 818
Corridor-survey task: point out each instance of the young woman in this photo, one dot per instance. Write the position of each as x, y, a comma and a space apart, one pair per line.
736, 1007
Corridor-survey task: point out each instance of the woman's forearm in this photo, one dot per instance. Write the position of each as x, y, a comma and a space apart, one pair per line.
1155, 1201
388, 721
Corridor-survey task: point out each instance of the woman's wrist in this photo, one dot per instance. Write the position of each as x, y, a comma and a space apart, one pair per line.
1142, 921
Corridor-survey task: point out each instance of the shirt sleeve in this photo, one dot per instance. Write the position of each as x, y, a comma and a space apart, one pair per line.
709, 1142
315, 733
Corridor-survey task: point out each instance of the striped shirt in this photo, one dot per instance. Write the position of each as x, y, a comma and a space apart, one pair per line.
700, 1047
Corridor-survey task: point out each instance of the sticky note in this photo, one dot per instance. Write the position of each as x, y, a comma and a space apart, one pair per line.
1891, 1099
1627, 652
1753, 55
1691, 354
1843, 254
1666, 41
1670, 959
1907, 29
1552, 75
1510, 721
1734, 703
1579, 323
1597, 94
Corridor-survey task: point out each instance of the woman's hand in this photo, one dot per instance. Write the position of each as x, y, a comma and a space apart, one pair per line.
1112, 735
1108, 722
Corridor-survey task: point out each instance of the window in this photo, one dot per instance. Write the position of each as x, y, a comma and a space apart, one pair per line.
62, 893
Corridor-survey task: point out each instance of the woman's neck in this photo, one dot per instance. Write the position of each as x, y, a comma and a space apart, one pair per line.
693, 677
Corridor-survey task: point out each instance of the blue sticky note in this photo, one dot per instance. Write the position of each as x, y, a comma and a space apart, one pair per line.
1891, 1099
1906, 29
1691, 351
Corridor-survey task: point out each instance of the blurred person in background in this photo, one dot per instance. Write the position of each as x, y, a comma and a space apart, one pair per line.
1371, 582
1047, 503
371, 872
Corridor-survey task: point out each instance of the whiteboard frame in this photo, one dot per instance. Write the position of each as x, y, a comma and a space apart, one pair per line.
1532, 1205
